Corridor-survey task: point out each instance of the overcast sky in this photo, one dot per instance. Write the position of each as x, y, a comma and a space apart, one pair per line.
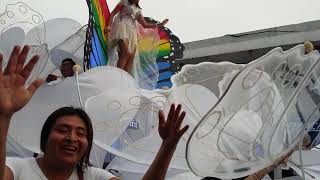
194, 20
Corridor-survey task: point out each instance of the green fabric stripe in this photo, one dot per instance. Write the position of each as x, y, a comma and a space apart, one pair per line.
163, 53
99, 32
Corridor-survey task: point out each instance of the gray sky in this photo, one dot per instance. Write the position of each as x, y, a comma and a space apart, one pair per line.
194, 20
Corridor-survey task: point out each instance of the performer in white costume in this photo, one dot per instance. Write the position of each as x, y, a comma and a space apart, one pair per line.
123, 25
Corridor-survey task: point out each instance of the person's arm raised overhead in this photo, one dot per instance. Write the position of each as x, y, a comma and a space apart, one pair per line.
14, 96
151, 25
170, 132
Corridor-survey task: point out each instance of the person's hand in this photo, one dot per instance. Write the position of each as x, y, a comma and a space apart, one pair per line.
164, 22
51, 77
169, 130
13, 93
106, 31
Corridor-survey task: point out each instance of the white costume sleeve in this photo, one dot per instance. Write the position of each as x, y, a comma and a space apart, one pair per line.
27, 168
97, 174
16, 165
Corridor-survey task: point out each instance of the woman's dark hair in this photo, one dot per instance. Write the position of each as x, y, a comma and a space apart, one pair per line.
137, 4
68, 111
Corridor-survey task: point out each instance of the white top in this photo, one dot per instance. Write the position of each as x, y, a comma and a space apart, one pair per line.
27, 168
129, 13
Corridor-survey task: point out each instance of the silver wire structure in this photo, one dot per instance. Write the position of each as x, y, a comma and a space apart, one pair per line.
267, 89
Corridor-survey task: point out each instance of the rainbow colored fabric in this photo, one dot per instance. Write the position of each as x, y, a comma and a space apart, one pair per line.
169, 46
100, 12
170, 49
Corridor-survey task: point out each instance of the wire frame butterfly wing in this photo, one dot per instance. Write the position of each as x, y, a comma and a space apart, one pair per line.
314, 100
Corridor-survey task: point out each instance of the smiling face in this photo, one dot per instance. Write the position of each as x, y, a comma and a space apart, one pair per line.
67, 141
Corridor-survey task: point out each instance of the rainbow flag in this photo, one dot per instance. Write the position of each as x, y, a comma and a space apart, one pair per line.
96, 45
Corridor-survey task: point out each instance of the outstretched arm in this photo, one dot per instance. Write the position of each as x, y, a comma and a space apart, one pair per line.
14, 95
170, 132
151, 25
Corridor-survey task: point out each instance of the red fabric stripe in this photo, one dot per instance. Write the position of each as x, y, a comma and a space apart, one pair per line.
105, 9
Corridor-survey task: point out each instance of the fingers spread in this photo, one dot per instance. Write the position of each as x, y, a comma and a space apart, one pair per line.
29, 67
161, 119
176, 113
182, 131
22, 58
34, 86
12, 64
171, 112
180, 119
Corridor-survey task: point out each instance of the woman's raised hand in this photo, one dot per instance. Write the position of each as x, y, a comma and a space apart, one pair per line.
106, 31
164, 22
169, 130
13, 93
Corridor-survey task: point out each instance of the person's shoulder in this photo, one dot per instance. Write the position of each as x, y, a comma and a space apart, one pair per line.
18, 160
97, 173
16, 164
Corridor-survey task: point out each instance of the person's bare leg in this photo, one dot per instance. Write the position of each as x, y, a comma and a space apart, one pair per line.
129, 64
123, 54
